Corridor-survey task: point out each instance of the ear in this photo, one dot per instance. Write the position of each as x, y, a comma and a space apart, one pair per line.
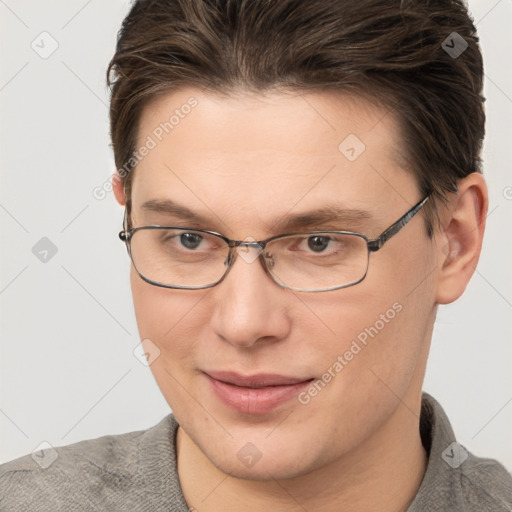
460, 237
118, 188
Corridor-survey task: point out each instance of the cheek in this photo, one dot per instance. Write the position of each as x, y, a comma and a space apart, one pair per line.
379, 330
365, 330
167, 317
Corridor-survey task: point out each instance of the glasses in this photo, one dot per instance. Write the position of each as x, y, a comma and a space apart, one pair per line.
193, 259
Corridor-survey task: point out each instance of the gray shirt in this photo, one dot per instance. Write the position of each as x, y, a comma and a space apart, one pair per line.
136, 472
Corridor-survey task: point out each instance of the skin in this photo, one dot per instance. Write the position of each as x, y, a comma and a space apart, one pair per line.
244, 161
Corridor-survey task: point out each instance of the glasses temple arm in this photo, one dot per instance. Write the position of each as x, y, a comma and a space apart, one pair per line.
377, 243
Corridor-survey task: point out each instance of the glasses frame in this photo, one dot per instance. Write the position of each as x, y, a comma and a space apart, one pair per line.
372, 244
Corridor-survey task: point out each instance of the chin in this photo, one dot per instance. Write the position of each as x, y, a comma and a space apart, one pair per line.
272, 468
252, 454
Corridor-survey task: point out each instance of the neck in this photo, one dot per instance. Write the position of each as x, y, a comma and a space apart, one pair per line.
384, 473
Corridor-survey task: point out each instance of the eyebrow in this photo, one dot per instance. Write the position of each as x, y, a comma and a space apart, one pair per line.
332, 214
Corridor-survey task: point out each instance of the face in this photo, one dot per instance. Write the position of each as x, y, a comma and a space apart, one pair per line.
327, 370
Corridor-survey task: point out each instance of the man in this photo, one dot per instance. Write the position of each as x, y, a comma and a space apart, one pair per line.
298, 204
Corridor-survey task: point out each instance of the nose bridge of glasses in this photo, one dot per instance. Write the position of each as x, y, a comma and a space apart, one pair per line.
249, 249
250, 243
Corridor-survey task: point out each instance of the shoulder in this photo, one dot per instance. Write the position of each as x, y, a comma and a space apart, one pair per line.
485, 483
456, 479
84, 475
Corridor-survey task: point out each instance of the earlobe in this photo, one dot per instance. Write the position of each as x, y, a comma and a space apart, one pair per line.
118, 188
460, 237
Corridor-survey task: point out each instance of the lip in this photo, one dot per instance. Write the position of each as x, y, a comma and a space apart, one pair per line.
254, 394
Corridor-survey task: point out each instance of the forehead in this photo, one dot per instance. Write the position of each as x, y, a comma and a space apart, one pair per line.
249, 156
248, 122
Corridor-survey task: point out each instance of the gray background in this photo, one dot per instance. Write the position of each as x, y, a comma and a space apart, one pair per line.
67, 329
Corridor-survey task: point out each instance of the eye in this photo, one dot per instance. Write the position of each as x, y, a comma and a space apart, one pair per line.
171, 240
322, 245
318, 243
191, 240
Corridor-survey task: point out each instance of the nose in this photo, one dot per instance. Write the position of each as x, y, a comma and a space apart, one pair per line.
249, 307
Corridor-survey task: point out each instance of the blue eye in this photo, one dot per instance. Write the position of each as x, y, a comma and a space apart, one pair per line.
191, 240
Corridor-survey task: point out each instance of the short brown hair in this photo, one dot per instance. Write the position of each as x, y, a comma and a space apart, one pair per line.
396, 52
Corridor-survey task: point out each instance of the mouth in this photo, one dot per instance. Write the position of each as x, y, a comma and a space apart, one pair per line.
254, 394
